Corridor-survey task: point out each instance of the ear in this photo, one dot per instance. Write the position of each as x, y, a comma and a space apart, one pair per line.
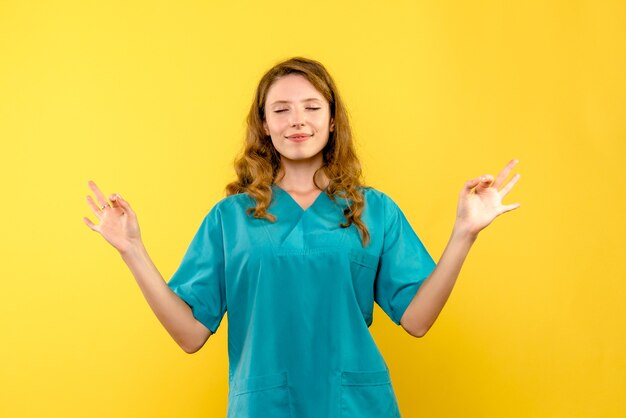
332, 124
267, 131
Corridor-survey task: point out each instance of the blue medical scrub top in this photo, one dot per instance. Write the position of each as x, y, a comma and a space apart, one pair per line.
300, 296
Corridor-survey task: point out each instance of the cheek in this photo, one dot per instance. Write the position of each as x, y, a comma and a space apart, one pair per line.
275, 125
322, 124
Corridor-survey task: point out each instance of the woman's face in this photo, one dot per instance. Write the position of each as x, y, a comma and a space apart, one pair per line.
297, 117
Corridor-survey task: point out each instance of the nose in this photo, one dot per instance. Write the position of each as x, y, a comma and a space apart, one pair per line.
297, 118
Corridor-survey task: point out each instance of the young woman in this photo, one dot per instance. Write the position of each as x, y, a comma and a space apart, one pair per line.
297, 253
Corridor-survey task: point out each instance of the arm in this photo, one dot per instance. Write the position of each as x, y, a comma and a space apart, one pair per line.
480, 203
173, 313
119, 226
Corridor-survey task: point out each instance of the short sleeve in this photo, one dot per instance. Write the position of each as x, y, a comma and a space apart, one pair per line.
199, 279
404, 264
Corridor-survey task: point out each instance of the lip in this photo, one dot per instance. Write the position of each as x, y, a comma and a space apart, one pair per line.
299, 137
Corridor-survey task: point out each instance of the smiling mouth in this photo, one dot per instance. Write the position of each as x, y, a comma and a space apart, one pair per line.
299, 138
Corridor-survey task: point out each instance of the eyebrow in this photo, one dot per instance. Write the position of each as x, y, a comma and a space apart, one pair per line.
287, 101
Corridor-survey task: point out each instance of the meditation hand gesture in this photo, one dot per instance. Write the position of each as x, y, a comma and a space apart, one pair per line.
481, 201
118, 223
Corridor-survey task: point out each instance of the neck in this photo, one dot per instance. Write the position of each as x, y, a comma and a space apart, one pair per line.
298, 175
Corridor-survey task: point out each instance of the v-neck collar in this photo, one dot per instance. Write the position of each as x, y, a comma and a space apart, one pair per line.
280, 190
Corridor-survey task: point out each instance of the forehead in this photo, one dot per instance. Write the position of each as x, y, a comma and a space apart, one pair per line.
292, 88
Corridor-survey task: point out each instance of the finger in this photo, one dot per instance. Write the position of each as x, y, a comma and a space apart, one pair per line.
469, 185
505, 173
510, 207
507, 188
114, 202
485, 181
124, 204
102, 201
95, 208
90, 224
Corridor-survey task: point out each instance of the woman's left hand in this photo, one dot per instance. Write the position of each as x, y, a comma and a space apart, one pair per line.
481, 201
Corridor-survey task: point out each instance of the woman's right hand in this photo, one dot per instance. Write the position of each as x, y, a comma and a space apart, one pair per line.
118, 222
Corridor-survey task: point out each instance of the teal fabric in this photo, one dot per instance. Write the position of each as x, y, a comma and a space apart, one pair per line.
300, 296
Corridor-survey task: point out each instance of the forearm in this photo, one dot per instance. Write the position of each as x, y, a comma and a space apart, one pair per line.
173, 313
434, 292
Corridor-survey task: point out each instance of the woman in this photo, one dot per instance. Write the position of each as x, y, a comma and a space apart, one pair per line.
297, 253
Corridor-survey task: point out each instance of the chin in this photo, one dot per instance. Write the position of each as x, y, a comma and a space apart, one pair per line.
299, 156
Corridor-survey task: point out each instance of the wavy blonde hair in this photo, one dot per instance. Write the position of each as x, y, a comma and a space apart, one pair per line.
259, 163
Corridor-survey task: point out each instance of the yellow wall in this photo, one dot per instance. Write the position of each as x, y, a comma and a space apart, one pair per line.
149, 98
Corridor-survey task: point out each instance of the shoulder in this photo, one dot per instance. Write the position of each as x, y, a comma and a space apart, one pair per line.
228, 206
371, 193
377, 197
233, 202
379, 205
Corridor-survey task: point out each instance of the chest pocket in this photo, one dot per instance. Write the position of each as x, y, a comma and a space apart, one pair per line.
368, 395
363, 267
261, 397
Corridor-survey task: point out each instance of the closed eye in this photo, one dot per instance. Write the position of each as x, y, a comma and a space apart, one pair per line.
308, 108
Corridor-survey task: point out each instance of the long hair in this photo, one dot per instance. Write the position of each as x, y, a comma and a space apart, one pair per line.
259, 163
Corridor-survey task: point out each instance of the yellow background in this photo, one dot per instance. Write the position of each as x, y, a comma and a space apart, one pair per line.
149, 99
